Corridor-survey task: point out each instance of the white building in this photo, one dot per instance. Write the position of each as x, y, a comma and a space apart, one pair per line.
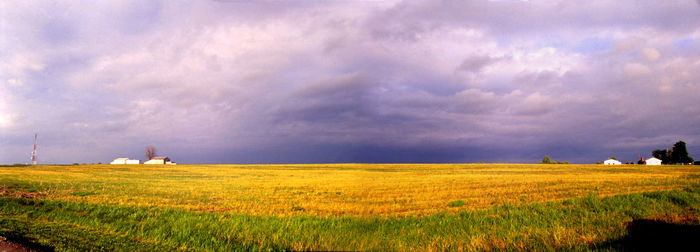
119, 161
612, 162
653, 161
160, 160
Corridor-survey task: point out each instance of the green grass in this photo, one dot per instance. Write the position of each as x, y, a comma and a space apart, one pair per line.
82, 193
457, 203
578, 224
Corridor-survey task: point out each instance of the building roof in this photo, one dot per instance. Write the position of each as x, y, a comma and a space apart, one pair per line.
614, 161
159, 158
121, 158
653, 158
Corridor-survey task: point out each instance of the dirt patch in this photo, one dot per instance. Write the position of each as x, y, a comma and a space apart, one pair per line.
20, 194
689, 217
8, 246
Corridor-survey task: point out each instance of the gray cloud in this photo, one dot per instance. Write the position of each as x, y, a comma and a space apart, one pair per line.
476, 63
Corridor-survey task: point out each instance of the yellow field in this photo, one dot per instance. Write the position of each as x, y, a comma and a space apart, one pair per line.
340, 189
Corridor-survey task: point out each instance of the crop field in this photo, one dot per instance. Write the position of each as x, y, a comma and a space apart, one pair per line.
343, 206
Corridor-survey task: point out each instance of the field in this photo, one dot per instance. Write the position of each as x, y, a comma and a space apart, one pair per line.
343, 206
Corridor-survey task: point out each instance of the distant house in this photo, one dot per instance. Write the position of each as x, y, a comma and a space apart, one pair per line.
119, 161
159, 160
653, 161
612, 162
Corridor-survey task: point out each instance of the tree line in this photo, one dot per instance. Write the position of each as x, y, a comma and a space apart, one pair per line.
547, 160
678, 154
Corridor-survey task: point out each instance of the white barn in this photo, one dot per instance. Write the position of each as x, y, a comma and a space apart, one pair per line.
612, 162
160, 160
653, 161
119, 161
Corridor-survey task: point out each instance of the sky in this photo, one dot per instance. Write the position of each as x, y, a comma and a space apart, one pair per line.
365, 81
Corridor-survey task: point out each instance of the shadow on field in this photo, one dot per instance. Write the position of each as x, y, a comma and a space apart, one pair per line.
655, 235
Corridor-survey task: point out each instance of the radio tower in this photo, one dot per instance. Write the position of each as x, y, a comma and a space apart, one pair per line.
34, 151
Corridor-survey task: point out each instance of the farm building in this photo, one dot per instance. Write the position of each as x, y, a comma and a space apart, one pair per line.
612, 162
125, 161
159, 160
653, 161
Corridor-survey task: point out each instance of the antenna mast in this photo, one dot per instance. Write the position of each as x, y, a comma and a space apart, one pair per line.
34, 151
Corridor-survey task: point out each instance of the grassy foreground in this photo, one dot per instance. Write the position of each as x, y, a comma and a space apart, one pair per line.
586, 223
528, 206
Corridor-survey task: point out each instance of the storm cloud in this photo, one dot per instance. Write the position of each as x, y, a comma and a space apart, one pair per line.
348, 81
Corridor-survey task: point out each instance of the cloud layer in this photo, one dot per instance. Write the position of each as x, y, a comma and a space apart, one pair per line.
348, 81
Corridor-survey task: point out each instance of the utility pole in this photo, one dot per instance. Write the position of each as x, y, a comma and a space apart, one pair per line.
34, 151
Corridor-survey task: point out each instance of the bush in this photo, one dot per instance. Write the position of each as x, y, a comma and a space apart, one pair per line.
547, 160
457, 203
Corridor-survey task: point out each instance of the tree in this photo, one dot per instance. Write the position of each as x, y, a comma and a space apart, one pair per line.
546, 160
664, 155
150, 152
679, 154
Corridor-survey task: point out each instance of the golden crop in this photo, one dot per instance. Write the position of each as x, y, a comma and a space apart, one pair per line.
341, 189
